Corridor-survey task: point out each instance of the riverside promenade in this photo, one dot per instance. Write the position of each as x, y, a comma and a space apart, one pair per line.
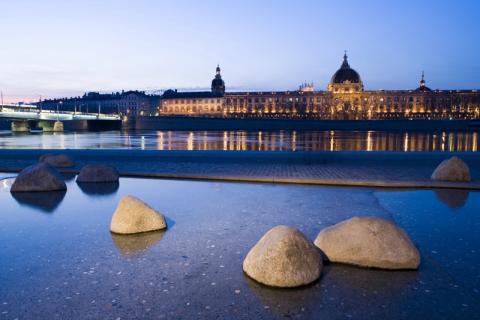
374, 169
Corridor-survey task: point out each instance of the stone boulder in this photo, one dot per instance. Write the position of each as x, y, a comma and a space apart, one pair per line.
98, 173
134, 216
368, 242
283, 257
57, 160
38, 177
453, 169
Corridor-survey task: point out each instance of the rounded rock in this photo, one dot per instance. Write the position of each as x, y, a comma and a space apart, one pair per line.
134, 216
98, 173
369, 242
453, 169
57, 160
37, 178
283, 257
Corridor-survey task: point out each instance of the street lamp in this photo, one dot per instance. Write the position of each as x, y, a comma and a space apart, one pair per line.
61, 102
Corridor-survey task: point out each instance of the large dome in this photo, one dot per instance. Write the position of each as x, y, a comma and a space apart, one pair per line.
345, 74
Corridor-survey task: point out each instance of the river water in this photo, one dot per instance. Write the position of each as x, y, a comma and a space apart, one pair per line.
247, 140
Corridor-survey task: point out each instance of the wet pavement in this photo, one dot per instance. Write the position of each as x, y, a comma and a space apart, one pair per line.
344, 168
58, 259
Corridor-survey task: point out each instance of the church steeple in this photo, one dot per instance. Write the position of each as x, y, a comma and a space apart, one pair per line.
423, 86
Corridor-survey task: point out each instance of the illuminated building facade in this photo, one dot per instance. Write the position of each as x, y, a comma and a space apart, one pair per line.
344, 99
196, 103
130, 103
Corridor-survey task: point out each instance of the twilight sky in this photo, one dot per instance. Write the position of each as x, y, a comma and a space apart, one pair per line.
58, 48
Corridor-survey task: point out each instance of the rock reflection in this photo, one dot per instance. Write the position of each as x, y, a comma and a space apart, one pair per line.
356, 281
453, 198
45, 201
136, 244
285, 302
340, 281
98, 189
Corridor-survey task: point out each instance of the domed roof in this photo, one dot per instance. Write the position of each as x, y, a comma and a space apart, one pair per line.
345, 74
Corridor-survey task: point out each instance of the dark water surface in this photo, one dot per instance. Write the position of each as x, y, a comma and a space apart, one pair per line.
247, 140
58, 259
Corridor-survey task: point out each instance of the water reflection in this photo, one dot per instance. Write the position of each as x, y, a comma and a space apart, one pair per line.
453, 198
98, 189
44, 201
358, 281
136, 244
283, 302
239, 140
342, 281
310, 141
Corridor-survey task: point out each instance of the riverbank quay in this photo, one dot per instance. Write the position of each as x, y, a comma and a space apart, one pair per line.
264, 124
273, 123
372, 169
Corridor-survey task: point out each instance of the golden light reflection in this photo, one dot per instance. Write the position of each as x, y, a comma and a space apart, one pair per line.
450, 142
231, 141
259, 140
332, 140
190, 141
225, 140
294, 140
273, 142
237, 141
244, 141
169, 140
205, 140
444, 135
474, 141
160, 140
369, 141
283, 141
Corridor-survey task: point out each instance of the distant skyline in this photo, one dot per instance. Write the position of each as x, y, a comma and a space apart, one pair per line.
64, 48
